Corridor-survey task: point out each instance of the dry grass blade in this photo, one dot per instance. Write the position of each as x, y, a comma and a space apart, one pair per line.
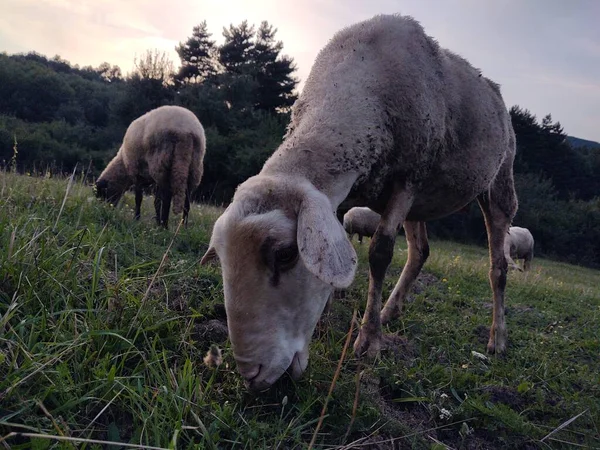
335, 377
65, 198
49, 416
358, 442
564, 425
355, 405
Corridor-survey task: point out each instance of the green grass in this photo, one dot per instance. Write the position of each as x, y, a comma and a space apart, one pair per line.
90, 350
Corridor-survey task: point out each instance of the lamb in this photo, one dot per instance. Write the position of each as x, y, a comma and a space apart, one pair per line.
164, 147
361, 221
389, 120
518, 244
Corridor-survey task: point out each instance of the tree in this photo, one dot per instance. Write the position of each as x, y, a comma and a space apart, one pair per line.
235, 53
198, 56
109, 73
258, 57
273, 72
149, 86
154, 65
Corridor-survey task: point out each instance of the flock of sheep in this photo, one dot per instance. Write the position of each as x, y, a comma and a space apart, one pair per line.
391, 128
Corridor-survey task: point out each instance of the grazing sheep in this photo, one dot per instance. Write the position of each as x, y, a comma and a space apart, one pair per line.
361, 221
389, 120
518, 244
164, 147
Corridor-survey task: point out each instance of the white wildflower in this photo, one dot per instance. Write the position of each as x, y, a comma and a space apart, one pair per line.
445, 414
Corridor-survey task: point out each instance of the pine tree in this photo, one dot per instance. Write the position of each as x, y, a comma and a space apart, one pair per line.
273, 72
235, 52
198, 56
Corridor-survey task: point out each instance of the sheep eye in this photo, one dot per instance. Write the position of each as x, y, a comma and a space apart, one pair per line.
286, 257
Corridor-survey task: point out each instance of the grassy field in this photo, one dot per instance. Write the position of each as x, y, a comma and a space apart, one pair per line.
103, 334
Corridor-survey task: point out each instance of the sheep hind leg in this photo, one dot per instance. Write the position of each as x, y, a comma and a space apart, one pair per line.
186, 208
381, 251
497, 221
165, 208
418, 252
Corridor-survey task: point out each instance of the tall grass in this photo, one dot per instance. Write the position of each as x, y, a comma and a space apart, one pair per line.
92, 352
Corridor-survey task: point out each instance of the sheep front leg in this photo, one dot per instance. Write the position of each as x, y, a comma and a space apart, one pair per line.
527, 261
139, 195
381, 251
158, 204
511, 263
418, 251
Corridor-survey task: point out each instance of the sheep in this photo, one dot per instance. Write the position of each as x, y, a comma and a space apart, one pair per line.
389, 120
164, 147
361, 221
518, 244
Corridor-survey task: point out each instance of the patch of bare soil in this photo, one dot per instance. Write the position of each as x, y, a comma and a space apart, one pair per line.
507, 395
482, 334
414, 417
211, 331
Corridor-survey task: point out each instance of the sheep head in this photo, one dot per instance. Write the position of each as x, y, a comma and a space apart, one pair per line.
282, 252
106, 191
113, 181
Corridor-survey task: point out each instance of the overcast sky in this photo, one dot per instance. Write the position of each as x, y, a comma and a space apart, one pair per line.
544, 53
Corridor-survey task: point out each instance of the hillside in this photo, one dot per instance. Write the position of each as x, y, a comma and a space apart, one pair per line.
103, 331
578, 142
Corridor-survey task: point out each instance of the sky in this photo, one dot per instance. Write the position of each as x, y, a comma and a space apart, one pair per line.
544, 53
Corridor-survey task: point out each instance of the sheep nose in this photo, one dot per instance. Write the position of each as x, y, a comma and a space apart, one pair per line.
248, 370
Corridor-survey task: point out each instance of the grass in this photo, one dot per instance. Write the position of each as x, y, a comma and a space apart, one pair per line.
91, 352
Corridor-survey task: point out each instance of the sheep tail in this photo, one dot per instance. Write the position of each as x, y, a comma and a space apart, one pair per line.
180, 169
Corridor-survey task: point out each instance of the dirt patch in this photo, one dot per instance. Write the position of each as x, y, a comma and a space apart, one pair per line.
421, 284
409, 417
505, 395
482, 334
400, 347
423, 281
211, 332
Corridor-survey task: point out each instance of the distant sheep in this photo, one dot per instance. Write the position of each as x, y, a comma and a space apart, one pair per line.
519, 245
361, 221
386, 119
165, 147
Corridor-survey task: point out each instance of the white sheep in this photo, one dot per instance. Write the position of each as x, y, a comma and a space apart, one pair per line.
165, 147
389, 120
519, 244
361, 221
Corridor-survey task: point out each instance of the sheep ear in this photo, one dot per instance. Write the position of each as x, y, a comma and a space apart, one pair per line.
209, 257
322, 242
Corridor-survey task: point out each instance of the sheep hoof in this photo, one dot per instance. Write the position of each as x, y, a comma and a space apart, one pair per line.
367, 344
496, 346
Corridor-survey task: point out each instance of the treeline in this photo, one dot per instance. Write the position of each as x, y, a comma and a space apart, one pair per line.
54, 115
559, 194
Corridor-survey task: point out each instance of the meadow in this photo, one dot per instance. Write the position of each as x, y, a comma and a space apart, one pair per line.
104, 324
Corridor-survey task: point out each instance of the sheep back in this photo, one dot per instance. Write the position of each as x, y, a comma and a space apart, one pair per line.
519, 243
385, 104
166, 146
